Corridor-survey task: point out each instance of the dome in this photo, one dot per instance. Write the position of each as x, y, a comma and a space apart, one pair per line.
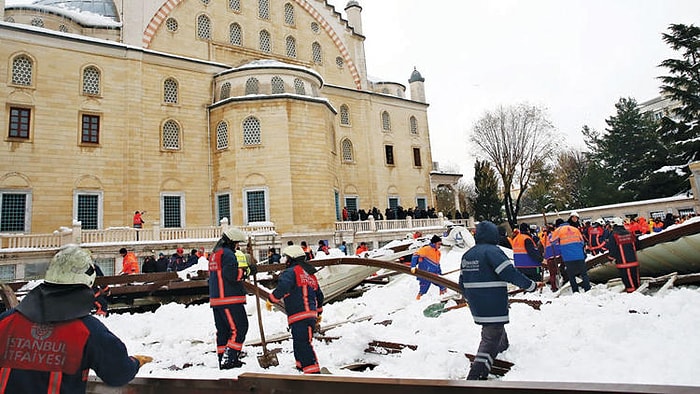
105, 8
416, 77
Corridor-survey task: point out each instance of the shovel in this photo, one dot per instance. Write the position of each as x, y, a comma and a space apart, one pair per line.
267, 359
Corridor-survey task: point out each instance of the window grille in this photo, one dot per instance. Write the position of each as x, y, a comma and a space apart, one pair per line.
235, 34
90, 132
88, 211
13, 212
251, 131
414, 125
422, 202
22, 70
205, 2
339, 62
351, 204
416, 157
346, 148
315, 28
389, 154
19, 122
252, 86
299, 86
222, 135
344, 115
10, 19
264, 9
255, 202
203, 27
38, 22
316, 53
289, 14
170, 91
223, 202
225, 91
172, 211
277, 85
8, 272
63, 28
386, 121
171, 24
291, 47
265, 41
234, 5
171, 135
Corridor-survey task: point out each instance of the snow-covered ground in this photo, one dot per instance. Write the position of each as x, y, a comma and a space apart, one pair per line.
600, 336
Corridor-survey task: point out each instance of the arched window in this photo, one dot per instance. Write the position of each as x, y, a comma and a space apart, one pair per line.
171, 135
234, 5
414, 125
264, 9
299, 86
91, 81
203, 27
346, 149
222, 135
225, 91
235, 34
339, 62
316, 53
291, 47
265, 41
22, 70
38, 22
386, 121
63, 28
171, 25
170, 91
251, 131
252, 86
277, 85
289, 14
344, 115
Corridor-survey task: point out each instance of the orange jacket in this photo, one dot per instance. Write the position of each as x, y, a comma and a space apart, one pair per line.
130, 264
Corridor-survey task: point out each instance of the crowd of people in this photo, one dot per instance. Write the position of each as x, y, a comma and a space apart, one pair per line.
398, 213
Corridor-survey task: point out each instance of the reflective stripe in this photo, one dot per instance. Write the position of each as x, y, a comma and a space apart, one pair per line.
480, 285
55, 383
4, 377
312, 369
227, 300
628, 265
301, 316
491, 319
503, 266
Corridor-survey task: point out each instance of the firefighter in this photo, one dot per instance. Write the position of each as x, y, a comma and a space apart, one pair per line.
622, 248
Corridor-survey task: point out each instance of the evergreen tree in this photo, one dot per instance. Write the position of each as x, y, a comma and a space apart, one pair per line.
486, 202
632, 151
681, 131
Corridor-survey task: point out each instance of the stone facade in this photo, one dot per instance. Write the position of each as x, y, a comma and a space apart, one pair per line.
175, 141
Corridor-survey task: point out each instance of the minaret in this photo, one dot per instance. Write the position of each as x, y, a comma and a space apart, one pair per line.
417, 87
2, 10
354, 11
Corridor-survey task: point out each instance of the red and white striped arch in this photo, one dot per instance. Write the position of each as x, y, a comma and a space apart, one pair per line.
167, 7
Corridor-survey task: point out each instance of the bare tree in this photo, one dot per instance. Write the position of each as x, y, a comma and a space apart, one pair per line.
513, 139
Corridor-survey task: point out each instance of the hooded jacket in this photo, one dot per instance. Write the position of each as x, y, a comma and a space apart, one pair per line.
50, 341
485, 273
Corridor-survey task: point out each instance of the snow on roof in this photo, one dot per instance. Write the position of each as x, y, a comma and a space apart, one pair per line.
84, 18
270, 63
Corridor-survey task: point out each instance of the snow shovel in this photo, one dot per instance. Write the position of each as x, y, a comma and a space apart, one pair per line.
267, 359
438, 309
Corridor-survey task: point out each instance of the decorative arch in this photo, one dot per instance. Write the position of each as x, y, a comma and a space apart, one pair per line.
171, 185
169, 5
15, 180
88, 182
254, 179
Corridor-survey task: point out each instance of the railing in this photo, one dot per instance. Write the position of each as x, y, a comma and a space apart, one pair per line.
30, 241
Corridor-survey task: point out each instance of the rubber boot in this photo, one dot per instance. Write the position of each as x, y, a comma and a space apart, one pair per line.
230, 360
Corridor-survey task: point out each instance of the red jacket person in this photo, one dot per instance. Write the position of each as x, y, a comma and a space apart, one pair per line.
49, 342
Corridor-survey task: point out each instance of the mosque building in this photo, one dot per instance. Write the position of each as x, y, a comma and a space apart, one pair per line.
259, 111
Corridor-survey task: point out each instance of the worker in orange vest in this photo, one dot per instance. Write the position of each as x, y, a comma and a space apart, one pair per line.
130, 264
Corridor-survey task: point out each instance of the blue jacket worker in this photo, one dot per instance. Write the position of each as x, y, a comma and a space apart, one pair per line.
49, 342
485, 272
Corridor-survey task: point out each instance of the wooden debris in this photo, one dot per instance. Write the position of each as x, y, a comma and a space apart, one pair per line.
383, 347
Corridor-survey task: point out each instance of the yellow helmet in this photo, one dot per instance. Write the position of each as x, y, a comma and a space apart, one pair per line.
71, 265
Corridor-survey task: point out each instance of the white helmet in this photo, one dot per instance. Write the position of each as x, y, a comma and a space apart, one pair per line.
235, 234
600, 221
293, 251
574, 213
71, 265
617, 221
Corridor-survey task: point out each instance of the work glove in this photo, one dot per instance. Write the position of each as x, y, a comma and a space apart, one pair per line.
317, 326
413, 270
268, 305
142, 359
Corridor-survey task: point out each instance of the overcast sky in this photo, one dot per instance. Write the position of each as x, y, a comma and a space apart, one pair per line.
576, 58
